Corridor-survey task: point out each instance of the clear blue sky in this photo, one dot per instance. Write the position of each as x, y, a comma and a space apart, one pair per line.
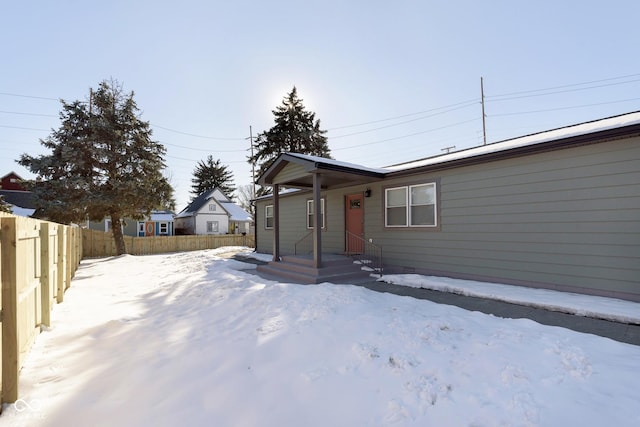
391, 81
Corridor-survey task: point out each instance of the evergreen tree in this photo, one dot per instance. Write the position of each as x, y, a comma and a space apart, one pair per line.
103, 162
296, 130
208, 175
4, 206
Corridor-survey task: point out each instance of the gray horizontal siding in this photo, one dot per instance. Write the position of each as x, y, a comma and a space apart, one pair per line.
567, 218
290, 172
293, 223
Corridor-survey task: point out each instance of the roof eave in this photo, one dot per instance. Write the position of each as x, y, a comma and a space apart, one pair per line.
546, 146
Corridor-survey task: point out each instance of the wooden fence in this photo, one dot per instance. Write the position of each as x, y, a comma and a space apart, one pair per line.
37, 261
101, 244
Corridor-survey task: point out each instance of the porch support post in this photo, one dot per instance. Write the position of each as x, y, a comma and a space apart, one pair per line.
317, 226
276, 222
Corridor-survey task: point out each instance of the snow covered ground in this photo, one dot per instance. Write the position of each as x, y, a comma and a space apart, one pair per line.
191, 339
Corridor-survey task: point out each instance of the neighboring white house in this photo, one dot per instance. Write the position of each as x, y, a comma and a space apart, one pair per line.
213, 212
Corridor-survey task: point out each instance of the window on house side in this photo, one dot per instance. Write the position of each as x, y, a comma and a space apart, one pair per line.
268, 216
411, 206
310, 212
212, 226
141, 228
212, 207
164, 227
396, 207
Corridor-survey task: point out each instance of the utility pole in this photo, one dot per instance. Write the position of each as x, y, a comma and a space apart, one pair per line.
254, 208
253, 167
484, 116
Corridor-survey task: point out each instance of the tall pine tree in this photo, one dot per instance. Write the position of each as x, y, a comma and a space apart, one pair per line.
103, 163
296, 130
208, 175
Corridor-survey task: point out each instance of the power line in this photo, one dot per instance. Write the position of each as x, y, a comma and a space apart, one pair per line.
564, 108
204, 149
197, 160
405, 136
29, 96
24, 128
404, 115
401, 123
196, 136
507, 97
28, 114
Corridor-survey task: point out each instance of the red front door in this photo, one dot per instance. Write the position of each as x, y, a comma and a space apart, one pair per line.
354, 207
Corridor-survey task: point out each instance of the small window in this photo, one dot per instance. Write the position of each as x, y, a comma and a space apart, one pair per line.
268, 216
310, 212
423, 203
411, 206
141, 228
212, 226
396, 208
164, 227
212, 207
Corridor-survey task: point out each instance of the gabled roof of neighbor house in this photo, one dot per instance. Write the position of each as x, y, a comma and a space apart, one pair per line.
235, 212
197, 203
336, 173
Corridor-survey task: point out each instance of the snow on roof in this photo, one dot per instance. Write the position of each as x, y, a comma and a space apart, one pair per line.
236, 213
337, 163
17, 210
528, 140
282, 192
162, 216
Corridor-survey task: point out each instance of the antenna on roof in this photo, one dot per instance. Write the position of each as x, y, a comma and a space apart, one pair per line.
484, 116
448, 149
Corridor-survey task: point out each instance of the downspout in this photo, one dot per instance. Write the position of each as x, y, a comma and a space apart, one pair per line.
276, 222
317, 226
255, 225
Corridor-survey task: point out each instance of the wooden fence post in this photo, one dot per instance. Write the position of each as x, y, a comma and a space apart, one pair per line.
21, 315
9, 303
62, 264
49, 276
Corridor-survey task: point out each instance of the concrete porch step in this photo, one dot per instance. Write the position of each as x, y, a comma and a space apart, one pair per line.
300, 269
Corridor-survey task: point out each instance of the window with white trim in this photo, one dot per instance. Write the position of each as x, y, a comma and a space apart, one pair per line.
268, 216
212, 207
411, 206
212, 226
310, 213
141, 228
163, 228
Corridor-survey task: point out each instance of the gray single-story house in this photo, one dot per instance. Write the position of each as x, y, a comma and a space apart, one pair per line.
212, 212
558, 209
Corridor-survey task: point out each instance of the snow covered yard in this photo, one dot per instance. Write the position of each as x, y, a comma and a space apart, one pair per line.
191, 339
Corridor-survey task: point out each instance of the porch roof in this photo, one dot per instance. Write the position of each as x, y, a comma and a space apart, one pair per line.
296, 170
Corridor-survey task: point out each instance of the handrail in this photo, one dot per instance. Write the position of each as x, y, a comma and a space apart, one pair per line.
370, 256
305, 244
